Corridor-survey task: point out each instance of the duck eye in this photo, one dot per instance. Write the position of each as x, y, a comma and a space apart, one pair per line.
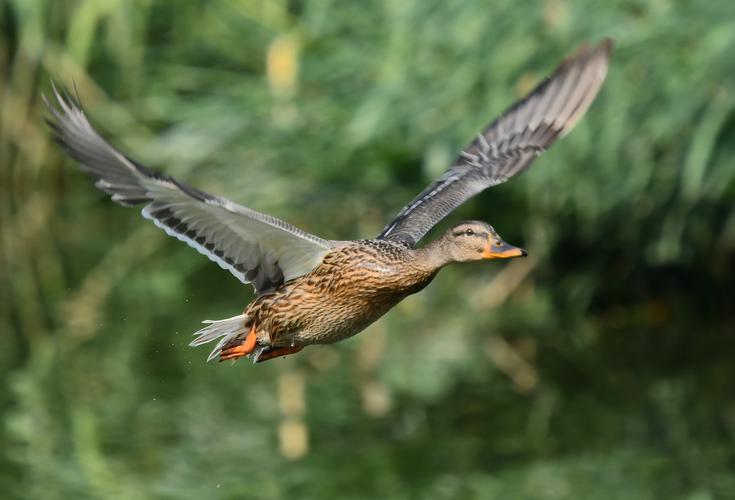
469, 232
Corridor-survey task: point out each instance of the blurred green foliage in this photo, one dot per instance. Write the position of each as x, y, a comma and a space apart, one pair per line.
601, 367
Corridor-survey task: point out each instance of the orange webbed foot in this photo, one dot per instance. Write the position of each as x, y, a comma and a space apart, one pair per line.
243, 349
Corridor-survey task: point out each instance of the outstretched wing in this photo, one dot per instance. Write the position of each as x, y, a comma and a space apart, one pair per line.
255, 247
509, 144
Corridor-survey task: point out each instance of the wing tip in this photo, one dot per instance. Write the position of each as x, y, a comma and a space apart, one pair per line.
66, 114
67, 102
606, 46
603, 48
597, 62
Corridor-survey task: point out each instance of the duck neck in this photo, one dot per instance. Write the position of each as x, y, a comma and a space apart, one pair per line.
434, 255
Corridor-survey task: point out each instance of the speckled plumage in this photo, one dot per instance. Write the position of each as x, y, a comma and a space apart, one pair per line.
353, 286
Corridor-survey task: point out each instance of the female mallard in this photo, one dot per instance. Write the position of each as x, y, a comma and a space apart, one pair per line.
315, 291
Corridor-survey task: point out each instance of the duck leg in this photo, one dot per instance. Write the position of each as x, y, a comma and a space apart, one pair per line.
242, 349
275, 352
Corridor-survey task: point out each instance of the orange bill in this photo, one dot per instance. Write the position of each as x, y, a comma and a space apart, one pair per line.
493, 250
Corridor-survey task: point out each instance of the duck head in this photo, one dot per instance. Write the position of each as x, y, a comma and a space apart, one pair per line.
475, 240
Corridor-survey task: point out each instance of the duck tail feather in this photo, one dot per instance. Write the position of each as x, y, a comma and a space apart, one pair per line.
226, 330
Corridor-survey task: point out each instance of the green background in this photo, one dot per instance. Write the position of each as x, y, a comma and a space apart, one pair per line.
603, 366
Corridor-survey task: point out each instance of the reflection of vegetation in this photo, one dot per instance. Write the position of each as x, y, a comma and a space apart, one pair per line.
601, 368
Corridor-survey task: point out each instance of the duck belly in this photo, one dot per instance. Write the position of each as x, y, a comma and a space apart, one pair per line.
336, 320
306, 314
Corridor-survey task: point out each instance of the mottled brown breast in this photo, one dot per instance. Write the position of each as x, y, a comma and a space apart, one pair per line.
353, 286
